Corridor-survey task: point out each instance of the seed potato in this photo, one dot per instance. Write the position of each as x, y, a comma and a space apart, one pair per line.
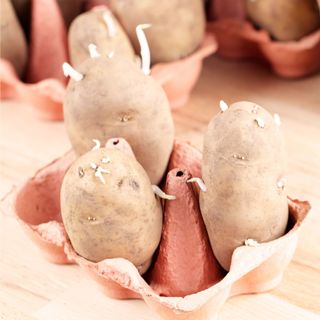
115, 99
90, 27
113, 213
243, 168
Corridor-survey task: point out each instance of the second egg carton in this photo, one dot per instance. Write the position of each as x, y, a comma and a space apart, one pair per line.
238, 39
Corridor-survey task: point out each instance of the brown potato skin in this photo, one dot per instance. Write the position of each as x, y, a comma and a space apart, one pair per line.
115, 99
89, 27
177, 25
121, 218
13, 42
242, 199
285, 19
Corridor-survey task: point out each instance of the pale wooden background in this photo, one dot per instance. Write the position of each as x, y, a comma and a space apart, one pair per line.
32, 288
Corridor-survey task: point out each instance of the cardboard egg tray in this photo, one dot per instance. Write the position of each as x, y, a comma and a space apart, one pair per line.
36, 205
238, 39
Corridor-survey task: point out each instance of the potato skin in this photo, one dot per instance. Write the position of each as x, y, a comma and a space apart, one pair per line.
121, 218
285, 19
177, 25
89, 27
115, 99
243, 200
13, 42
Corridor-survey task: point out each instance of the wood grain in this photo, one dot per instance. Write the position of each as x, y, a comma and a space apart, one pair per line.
32, 288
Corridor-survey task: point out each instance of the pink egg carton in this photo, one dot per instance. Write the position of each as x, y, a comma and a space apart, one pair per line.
179, 77
36, 205
238, 39
45, 87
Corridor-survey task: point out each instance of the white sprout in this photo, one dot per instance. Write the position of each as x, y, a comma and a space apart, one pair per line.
107, 17
93, 166
260, 122
110, 54
255, 109
93, 51
98, 144
161, 194
281, 183
144, 47
100, 176
102, 170
99, 171
251, 243
237, 156
200, 183
71, 72
105, 160
223, 106
277, 119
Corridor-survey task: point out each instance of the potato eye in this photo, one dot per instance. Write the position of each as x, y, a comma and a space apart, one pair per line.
81, 172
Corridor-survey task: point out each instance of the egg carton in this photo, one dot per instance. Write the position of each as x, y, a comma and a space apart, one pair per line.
238, 39
254, 268
46, 85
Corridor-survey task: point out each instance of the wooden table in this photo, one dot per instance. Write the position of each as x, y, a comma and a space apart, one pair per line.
32, 288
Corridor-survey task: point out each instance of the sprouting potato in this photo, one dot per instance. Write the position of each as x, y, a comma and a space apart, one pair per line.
243, 168
109, 209
113, 98
101, 28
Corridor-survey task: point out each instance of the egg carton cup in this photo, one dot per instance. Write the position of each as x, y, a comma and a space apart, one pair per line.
238, 39
36, 205
45, 88
178, 78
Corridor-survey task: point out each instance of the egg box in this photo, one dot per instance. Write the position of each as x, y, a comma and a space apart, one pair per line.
254, 269
238, 39
45, 87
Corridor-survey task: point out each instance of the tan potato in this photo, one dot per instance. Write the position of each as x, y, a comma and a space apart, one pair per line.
177, 25
90, 27
243, 168
13, 42
285, 19
114, 215
115, 99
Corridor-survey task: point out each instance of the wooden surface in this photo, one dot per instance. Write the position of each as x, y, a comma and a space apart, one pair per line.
32, 288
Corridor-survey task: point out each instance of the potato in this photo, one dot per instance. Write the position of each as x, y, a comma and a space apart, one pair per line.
243, 168
177, 25
285, 19
115, 99
114, 214
90, 27
13, 42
